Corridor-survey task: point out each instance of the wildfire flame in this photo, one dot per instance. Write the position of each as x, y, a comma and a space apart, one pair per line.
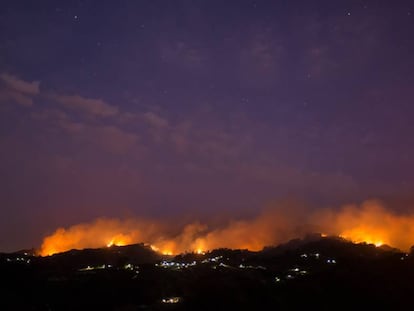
370, 222
360, 236
119, 240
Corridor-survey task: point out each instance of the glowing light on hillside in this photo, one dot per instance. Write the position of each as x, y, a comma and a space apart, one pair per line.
361, 236
154, 248
119, 240
369, 222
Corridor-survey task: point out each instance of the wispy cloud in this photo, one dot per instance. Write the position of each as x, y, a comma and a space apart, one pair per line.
18, 91
21, 86
108, 138
155, 120
91, 106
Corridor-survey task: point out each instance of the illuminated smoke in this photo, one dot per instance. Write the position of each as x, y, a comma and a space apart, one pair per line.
99, 233
369, 222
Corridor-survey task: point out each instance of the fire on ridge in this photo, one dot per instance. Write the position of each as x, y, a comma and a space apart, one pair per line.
369, 222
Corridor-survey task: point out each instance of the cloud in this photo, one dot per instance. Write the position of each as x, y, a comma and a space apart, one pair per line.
20, 86
114, 139
155, 120
180, 142
107, 137
91, 106
15, 97
49, 114
15, 90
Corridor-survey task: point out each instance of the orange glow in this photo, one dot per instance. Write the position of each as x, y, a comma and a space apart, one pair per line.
199, 247
119, 240
154, 248
369, 222
360, 235
100, 233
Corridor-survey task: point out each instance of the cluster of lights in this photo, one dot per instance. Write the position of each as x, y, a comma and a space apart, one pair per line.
312, 255
295, 272
242, 266
171, 300
18, 259
292, 274
90, 268
222, 265
127, 266
175, 265
216, 261
212, 259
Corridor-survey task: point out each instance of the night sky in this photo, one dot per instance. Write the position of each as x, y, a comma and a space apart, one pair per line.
200, 108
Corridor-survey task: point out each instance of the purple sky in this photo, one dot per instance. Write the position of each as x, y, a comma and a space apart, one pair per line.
154, 108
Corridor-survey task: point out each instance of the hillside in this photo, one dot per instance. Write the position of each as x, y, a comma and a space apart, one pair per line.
322, 273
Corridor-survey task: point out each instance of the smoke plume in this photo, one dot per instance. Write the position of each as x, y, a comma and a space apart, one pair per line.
369, 222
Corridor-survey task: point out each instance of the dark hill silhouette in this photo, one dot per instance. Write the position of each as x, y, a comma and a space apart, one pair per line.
324, 273
114, 255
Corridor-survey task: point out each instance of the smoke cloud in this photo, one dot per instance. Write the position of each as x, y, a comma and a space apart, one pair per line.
369, 222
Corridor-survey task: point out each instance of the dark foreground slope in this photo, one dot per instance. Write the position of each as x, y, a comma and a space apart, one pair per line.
317, 273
